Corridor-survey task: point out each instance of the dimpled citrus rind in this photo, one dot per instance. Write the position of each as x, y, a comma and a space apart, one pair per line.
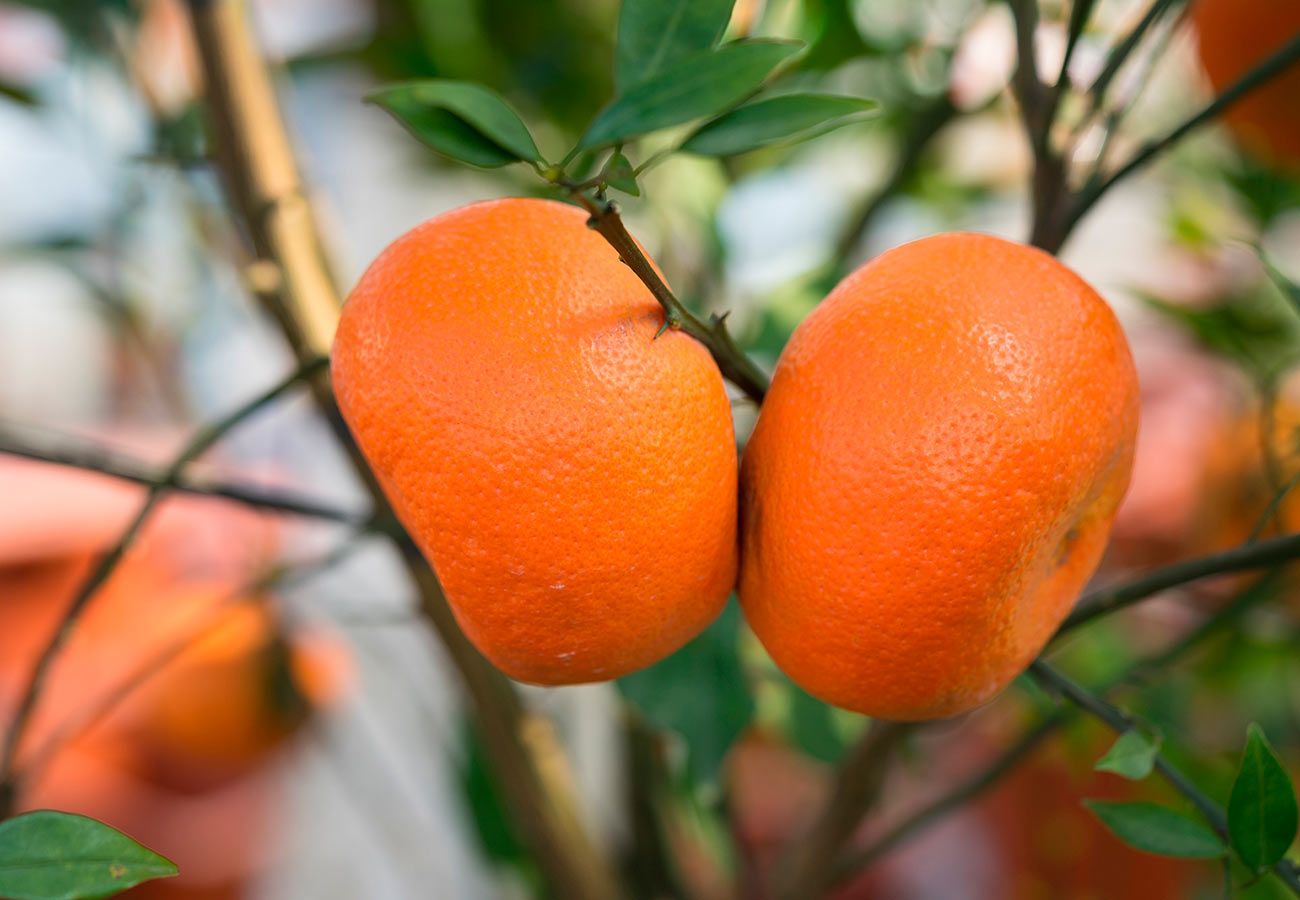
571, 478
933, 475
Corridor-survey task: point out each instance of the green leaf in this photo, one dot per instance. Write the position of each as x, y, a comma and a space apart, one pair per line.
654, 35
459, 119
488, 809
699, 692
1256, 330
1155, 829
1289, 289
1132, 756
620, 175
791, 116
701, 85
49, 855
812, 727
1262, 814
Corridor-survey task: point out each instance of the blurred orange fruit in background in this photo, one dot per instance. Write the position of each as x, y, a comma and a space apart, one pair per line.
1233, 36
235, 693
160, 714
571, 477
933, 475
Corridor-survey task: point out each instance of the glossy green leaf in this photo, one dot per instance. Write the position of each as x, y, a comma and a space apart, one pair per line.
654, 35
763, 122
1132, 756
1262, 813
620, 175
701, 85
461, 120
1155, 829
699, 692
50, 855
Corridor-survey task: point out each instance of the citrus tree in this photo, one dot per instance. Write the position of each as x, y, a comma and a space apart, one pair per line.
787, 546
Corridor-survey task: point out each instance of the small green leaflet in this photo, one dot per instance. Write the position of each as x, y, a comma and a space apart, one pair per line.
620, 175
699, 692
1262, 814
461, 120
1132, 756
654, 35
767, 121
701, 85
1155, 829
50, 855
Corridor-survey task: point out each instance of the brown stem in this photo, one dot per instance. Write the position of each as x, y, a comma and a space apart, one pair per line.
735, 366
1038, 104
1265, 71
805, 871
1120, 722
1245, 557
262, 184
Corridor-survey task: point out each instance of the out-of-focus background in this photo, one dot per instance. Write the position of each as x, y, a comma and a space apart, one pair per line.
268, 711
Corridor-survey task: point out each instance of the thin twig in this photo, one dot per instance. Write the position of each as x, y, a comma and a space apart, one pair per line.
1276, 63
964, 792
107, 563
1272, 512
923, 126
1113, 118
1080, 12
114, 465
1119, 722
1258, 555
1120, 54
735, 366
77, 726
1033, 737
1267, 427
804, 871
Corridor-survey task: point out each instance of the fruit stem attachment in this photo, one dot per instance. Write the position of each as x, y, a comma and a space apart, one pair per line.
735, 366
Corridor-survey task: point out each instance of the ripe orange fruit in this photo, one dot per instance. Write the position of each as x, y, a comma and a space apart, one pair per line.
1233, 36
933, 475
236, 693
571, 478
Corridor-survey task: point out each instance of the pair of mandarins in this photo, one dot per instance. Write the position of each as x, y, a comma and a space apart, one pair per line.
929, 484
